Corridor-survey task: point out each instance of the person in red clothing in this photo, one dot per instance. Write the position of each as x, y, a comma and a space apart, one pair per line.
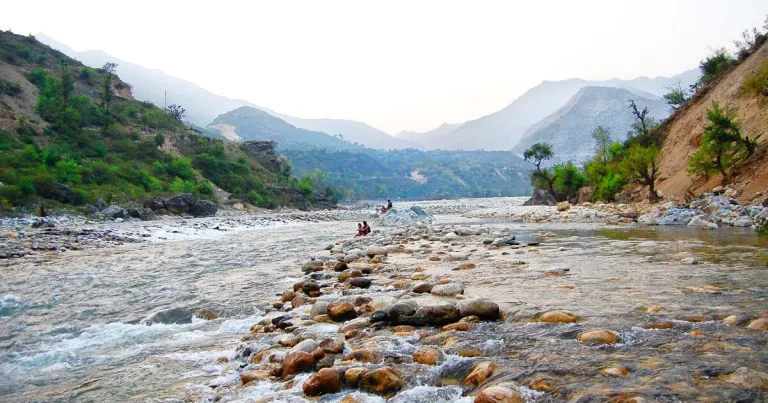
366, 228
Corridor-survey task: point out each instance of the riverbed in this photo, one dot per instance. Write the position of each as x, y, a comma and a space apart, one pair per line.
119, 323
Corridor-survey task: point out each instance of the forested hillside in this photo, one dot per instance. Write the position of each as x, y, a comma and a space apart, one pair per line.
70, 134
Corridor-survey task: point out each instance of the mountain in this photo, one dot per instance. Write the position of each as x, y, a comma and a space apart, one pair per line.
502, 130
203, 106
352, 131
683, 132
248, 123
569, 128
427, 139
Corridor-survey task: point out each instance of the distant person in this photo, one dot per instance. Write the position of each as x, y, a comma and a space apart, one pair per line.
359, 230
389, 204
366, 228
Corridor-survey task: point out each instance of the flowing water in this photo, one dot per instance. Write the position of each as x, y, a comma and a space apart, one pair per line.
117, 324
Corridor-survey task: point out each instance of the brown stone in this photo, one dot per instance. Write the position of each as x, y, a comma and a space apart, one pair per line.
660, 325
597, 336
694, 319
314, 294
557, 317
460, 326
253, 375
352, 375
340, 266
326, 380
615, 370
222, 360
404, 329
287, 296
434, 259
340, 311
297, 361
318, 354
758, 324
481, 372
365, 355
423, 288
382, 381
298, 301
470, 352
541, 385
498, 394
332, 345
427, 355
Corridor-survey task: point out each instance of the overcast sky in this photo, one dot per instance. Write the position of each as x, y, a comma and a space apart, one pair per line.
395, 65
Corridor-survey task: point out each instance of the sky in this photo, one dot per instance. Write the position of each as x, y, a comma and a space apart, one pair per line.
397, 65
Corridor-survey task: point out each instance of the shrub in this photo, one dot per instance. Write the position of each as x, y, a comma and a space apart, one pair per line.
305, 185
37, 77
568, 179
716, 64
9, 88
756, 84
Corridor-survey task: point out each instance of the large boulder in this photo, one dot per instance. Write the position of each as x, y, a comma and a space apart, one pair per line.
326, 380
55, 191
399, 217
203, 208
439, 314
297, 361
480, 307
114, 211
382, 381
541, 198
180, 204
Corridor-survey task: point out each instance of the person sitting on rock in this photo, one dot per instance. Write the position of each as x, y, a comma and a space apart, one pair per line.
389, 204
366, 228
359, 230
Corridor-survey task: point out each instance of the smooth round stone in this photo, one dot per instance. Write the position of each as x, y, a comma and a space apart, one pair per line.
597, 336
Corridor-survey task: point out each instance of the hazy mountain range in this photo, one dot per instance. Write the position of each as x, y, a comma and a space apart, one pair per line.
500, 130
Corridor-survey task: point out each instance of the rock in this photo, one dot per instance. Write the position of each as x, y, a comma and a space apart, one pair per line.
364, 355
450, 237
480, 307
439, 314
340, 266
418, 210
382, 381
332, 345
660, 325
541, 198
341, 311
180, 204
378, 316
347, 274
557, 317
298, 301
410, 217
422, 288
372, 251
319, 308
297, 361
701, 222
427, 355
615, 370
326, 380
597, 336
585, 195
718, 189
480, 373
747, 378
360, 282
447, 290
458, 326
203, 208
100, 204
382, 303
689, 261
309, 286
563, 206
206, 314
405, 308
253, 375
287, 296
499, 394
114, 211
307, 346
758, 324
352, 375
455, 256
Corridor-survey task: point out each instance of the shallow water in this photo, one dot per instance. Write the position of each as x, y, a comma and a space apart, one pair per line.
109, 324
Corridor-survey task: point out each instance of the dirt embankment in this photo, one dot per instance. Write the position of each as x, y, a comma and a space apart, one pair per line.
685, 128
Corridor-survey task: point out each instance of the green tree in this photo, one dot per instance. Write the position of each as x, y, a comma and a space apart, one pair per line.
568, 180
715, 65
721, 145
677, 96
540, 178
176, 111
602, 137
641, 163
106, 92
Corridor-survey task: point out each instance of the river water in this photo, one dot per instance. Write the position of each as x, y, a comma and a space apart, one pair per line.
116, 324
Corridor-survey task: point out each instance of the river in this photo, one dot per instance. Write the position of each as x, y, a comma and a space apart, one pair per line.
117, 323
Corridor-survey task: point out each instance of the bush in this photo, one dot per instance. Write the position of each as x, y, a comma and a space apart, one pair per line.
305, 185
568, 179
37, 77
9, 88
715, 65
756, 84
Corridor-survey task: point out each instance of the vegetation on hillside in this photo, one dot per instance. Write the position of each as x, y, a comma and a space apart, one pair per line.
95, 141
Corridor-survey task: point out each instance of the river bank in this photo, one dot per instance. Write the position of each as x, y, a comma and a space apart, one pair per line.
193, 316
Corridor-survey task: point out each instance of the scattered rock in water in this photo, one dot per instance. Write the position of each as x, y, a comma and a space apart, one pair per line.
499, 394
427, 355
450, 237
319, 308
341, 311
563, 206
360, 282
365, 355
759, 324
480, 373
297, 361
206, 314
423, 288
689, 261
401, 309
307, 346
381, 381
254, 375
373, 251
557, 317
326, 380
482, 308
660, 325
597, 336
447, 290
439, 314
332, 345
458, 326
310, 286
615, 370
747, 378
340, 266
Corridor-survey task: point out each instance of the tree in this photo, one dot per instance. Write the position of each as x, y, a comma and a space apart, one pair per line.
640, 132
602, 137
176, 111
721, 145
538, 153
106, 92
641, 163
715, 64
568, 180
677, 96
540, 178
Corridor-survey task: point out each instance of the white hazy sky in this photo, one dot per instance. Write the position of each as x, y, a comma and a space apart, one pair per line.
394, 64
